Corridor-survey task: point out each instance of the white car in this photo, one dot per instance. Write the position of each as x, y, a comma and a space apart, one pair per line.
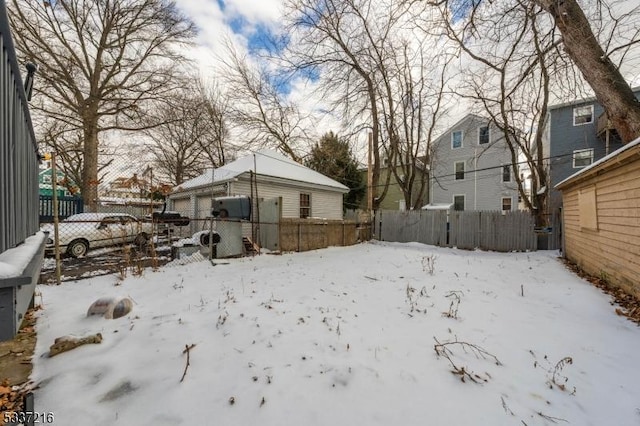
81, 232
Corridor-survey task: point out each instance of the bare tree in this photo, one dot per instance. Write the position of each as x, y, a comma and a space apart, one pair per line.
260, 108
189, 133
380, 76
517, 63
100, 63
217, 113
412, 104
509, 78
581, 45
347, 40
67, 142
612, 90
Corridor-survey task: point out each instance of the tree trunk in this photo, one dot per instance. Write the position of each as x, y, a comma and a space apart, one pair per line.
611, 89
375, 135
90, 170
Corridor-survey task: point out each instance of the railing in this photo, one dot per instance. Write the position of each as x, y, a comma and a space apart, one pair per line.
603, 125
67, 206
18, 149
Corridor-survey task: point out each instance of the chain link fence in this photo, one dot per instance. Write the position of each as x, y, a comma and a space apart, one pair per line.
134, 228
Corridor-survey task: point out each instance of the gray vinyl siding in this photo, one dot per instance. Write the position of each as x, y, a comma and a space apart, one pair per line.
482, 185
564, 138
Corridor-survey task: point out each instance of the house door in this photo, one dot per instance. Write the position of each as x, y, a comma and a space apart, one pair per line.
269, 222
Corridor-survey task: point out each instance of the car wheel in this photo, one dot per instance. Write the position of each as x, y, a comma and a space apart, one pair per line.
140, 240
78, 248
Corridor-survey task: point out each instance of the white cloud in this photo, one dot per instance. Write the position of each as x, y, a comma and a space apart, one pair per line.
267, 12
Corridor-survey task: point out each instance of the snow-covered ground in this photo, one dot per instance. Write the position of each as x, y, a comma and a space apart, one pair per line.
343, 336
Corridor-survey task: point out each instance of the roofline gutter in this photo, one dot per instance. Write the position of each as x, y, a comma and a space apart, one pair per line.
617, 160
267, 178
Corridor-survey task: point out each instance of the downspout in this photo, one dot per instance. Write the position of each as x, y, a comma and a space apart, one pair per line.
475, 179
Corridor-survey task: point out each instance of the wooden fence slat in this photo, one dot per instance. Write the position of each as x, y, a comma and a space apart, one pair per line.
487, 230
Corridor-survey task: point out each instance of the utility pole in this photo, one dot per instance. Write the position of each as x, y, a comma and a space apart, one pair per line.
370, 174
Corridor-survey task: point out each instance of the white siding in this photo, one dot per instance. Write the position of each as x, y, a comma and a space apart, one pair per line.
324, 203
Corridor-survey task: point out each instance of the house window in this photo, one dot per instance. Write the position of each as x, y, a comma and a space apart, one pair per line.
459, 169
506, 204
582, 158
46, 179
582, 115
506, 173
458, 203
456, 139
305, 206
483, 135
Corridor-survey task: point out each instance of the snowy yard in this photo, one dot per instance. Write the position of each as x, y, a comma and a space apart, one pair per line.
344, 336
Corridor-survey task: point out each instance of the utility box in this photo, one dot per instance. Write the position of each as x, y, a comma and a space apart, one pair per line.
230, 244
233, 207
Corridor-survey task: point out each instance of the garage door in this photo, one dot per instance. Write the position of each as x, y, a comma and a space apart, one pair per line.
183, 206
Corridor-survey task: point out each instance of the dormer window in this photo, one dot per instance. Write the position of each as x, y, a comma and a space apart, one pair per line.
582, 115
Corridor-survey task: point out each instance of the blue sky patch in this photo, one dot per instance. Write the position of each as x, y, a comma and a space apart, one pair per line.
262, 40
461, 9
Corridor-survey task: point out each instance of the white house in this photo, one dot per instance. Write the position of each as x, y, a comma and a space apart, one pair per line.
471, 168
263, 175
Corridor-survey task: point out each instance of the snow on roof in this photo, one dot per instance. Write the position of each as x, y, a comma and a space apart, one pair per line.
267, 163
601, 161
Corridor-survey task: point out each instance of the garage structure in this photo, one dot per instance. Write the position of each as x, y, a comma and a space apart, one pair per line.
263, 175
601, 217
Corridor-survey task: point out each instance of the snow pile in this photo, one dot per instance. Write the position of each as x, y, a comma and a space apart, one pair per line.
15, 260
344, 336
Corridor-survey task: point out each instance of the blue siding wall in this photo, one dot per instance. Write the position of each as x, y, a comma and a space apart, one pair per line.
564, 138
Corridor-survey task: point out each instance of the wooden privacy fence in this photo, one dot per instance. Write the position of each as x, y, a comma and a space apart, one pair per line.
486, 230
312, 234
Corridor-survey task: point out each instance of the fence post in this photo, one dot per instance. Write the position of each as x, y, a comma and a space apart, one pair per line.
56, 221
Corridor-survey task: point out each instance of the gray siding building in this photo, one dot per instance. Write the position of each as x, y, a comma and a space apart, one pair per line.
21, 245
576, 134
471, 168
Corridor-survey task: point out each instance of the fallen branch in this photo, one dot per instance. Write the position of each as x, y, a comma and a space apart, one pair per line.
186, 350
552, 419
506, 407
443, 349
